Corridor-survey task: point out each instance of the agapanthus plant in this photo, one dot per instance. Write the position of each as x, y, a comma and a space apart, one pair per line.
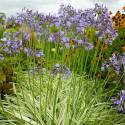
81, 34
119, 102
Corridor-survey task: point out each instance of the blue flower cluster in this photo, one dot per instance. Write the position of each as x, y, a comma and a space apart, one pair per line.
61, 70
116, 63
120, 101
77, 21
68, 24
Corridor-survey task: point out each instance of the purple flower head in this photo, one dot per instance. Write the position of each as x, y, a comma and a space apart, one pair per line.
109, 41
62, 33
89, 46
80, 42
120, 101
117, 68
79, 30
26, 36
115, 101
51, 38
57, 65
20, 43
15, 48
19, 20
65, 41
104, 66
16, 34
30, 25
62, 70
27, 51
68, 24
4, 39
113, 59
67, 73
38, 28
39, 54
56, 69
57, 24
7, 51
67, 45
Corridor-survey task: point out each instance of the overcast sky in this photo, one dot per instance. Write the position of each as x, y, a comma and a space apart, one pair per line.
10, 7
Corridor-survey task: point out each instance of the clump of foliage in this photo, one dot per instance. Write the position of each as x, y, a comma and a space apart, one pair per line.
46, 100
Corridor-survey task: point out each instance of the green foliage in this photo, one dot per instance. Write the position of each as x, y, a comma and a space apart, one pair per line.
2, 15
1, 31
117, 43
90, 34
43, 100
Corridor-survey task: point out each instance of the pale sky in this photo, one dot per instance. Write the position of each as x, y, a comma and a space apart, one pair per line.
11, 7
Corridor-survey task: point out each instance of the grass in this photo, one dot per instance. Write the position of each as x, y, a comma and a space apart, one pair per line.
44, 100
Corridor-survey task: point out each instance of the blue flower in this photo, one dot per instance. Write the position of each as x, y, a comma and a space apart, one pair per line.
89, 46
117, 68
39, 54
120, 101
8, 51
27, 51
67, 73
